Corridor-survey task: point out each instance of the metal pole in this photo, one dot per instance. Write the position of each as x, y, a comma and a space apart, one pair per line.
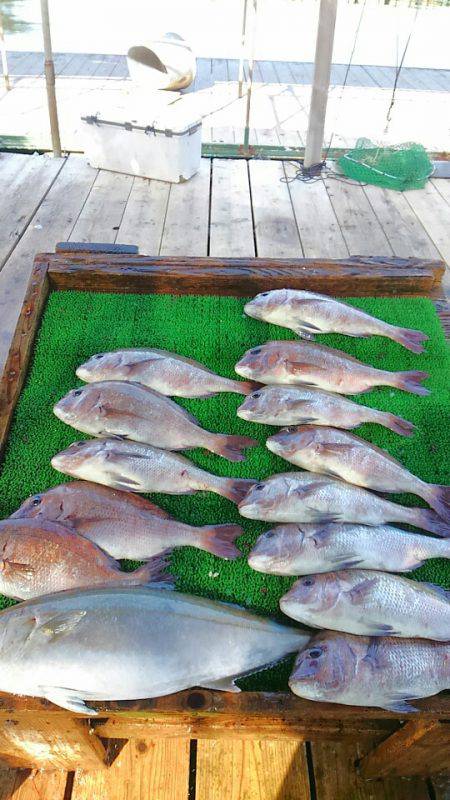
4, 59
242, 55
50, 80
250, 79
321, 82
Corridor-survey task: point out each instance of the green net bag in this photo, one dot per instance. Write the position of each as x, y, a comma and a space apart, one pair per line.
401, 167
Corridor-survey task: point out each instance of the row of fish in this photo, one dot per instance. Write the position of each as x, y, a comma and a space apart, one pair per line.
333, 530
164, 641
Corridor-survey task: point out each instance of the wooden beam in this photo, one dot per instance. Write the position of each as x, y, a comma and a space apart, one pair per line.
356, 276
46, 743
321, 82
50, 80
21, 346
420, 747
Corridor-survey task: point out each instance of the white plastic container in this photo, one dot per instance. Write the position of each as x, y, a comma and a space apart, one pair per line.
164, 145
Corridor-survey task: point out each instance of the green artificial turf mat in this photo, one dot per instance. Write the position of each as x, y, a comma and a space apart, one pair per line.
214, 330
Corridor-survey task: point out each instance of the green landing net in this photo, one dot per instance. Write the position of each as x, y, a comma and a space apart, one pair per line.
401, 167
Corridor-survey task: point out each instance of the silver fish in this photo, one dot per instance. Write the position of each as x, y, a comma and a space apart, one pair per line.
308, 497
132, 411
304, 363
308, 313
115, 644
142, 468
124, 524
167, 373
296, 405
370, 603
364, 671
343, 455
39, 556
304, 549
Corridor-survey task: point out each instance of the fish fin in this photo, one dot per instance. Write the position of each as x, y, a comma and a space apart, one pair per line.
299, 366
410, 381
67, 698
411, 339
381, 629
400, 705
439, 590
230, 447
322, 536
325, 519
394, 423
346, 561
438, 498
235, 489
430, 521
12, 570
152, 572
358, 594
219, 540
374, 656
246, 387
135, 367
334, 447
59, 625
223, 685
127, 484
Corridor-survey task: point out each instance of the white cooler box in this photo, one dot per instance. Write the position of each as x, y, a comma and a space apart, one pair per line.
167, 149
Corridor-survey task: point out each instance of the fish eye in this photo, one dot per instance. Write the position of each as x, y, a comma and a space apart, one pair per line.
255, 351
316, 653
270, 534
36, 500
264, 294
308, 582
76, 444
77, 392
256, 395
259, 486
99, 355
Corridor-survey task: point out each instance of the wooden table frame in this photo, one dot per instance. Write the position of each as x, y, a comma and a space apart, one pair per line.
35, 733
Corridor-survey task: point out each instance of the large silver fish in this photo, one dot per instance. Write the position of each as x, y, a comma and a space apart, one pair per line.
112, 644
308, 313
343, 455
308, 497
370, 603
142, 468
304, 549
124, 524
364, 671
39, 556
304, 363
132, 411
168, 373
296, 405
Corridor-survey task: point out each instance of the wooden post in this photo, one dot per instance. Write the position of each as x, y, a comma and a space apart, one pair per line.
321, 82
420, 747
242, 56
3, 54
250, 77
50, 80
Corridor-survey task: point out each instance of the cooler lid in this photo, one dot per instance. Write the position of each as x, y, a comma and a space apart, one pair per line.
155, 113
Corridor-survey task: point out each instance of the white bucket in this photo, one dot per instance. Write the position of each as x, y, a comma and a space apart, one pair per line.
165, 63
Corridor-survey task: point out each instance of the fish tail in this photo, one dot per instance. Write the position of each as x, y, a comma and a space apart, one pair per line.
153, 572
246, 387
230, 447
396, 424
410, 381
234, 489
429, 521
219, 540
438, 497
411, 339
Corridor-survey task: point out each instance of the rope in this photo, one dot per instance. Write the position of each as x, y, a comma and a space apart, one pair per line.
398, 71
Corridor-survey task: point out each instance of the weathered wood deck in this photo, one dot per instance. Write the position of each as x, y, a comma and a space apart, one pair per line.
279, 114
231, 208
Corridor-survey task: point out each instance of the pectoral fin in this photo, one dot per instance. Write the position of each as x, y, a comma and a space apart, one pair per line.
67, 698
296, 367
334, 448
14, 570
56, 626
359, 593
400, 702
223, 685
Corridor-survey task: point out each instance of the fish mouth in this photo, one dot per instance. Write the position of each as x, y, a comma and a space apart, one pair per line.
243, 413
246, 510
82, 372
242, 370
251, 310
62, 413
274, 446
259, 562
